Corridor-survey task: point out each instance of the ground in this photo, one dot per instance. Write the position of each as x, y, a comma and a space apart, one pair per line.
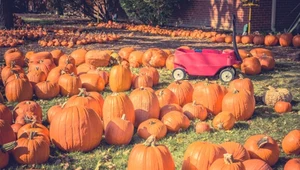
264, 120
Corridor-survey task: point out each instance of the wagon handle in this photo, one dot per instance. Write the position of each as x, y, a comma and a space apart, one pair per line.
236, 51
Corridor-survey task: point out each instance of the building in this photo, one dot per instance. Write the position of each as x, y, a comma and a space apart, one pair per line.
275, 15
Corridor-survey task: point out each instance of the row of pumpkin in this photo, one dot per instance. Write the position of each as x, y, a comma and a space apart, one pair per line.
284, 39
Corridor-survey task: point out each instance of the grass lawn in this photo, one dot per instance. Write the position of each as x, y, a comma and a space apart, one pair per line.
263, 121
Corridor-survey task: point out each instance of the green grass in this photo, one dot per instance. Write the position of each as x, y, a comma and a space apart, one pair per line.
264, 121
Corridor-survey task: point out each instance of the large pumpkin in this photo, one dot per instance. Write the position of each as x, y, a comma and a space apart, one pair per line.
120, 78
76, 128
256, 164
241, 103
91, 100
150, 156
291, 142
155, 57
263, 147
115, 105
6, 132
119, 131
34, 149
200, 155
237, 150
210, 95
183, 90
135, 58
152, 127
9, 70
256, 52
266, 62
145, 104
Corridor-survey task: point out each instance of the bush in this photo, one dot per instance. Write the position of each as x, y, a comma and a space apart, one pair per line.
153, 12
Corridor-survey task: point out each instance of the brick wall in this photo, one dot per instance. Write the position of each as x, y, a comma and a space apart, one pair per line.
284, 14
217, 14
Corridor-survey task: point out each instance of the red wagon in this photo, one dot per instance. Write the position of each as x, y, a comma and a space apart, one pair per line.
207, 62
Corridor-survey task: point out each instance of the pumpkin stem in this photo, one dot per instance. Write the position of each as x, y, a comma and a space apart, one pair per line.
228, 158
152, 123
262, 141
63, 105
206, 81
114, 94
194, 103
28, 119
123, 117
241, 76
8, 146
12, 64
271, 88
220, 126
235, 91
142, 88
32, 134
151, 141
161, 92
82, 92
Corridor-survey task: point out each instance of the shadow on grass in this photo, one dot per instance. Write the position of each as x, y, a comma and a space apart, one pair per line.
264, 112
241, 125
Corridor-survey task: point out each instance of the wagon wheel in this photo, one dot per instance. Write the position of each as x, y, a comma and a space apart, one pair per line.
227, 74
179, 74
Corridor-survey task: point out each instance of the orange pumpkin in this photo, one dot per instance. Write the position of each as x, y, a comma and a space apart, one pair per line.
92, 82
120, 78
266, 62
145, 104
271, 40
158, 154
251, 66
79, 56
170, 62
18, 89
228, 162
168, 108
46, 90
76, 128
5, 114
201, 155
259, 40
202, 127
292, 164
256, 164
136, 59
152, 127
237, 150
56, 54
142, 80
194, 110
14, 55
282, 107
97, 58
119, 131
69, 84
290, 143
285, 39
165, 97
242, 83
4, 148
155, 57
296, 41
224, 121
210, 95
54, 110
115, 105
175, 121
256, 52
183, 91
125, 52
263, 147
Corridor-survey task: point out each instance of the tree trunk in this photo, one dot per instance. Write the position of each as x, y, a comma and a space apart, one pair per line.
6, 17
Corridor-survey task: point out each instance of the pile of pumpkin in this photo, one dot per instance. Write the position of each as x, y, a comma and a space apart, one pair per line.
12, 38
86, 114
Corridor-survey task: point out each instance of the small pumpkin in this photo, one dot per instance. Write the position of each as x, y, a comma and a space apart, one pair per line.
271, 40
54, 110
285, 39
202, 127
69, 84
97, 58
251, 66
296, 41
46, 90
237, 150
282, 107
142, 80
28, 106
120, 78
157, 154
242, 83
266, 62
155, 57
152, 127
79, 56
224, 121
152, 72
33, 127
14, 55
168, 108
92, 82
